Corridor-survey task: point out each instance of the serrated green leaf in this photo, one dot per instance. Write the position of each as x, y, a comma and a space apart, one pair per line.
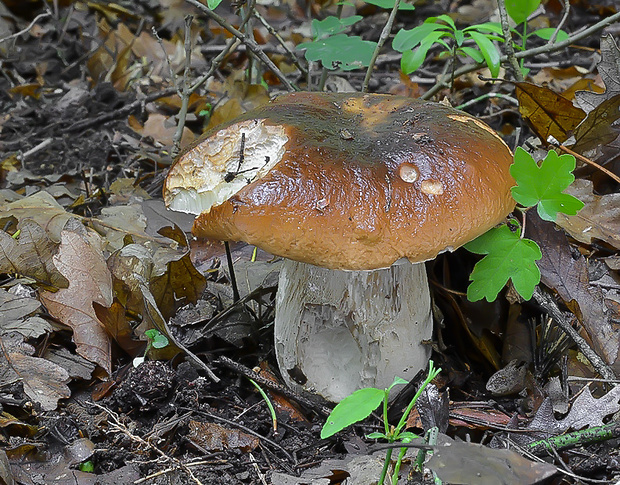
489, 51
508, 257
340, 52
548, 32
352, 409
543, 185
389, 4
520, 10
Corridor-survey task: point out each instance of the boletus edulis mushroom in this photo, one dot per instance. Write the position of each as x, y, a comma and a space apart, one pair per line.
355, 191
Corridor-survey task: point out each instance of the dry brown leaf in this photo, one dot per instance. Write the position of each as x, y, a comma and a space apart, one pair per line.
609, 70
181, 283
471, 463
81, 261
214, 437
44, 382
17, 314
599, 218
548, 113
43, 209
598, 127
118, 327
567, 273
162, 129
30, 255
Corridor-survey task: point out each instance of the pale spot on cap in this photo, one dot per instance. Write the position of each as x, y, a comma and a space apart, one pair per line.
432, 187
408, 172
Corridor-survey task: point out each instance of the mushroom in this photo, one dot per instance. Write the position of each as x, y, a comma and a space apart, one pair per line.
356, 191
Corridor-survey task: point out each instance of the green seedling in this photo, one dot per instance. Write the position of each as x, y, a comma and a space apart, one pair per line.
509, 255
156, 340
415, 43
361, 403
272, 411
519, 11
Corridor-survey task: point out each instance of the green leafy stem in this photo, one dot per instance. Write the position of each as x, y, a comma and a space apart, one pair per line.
508, 254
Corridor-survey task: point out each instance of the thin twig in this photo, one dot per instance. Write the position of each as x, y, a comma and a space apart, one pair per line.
387, 28
251, 44
120, 427
280, 40
30, 25
547, 48
274, 386
562, 22
184, 93
589, 162
510, 50
549, 305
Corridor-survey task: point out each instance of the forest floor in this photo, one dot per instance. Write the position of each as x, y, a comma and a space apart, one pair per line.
90, 260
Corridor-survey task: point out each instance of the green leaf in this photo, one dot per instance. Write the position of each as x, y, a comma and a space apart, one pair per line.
407, 436
520, 10
445, 18
543, 185
486, 26
332, 25
548, 32
213, 4
390, 4
340, 52
352, 409
475, 54
376, 436
408, 39
412, 60
489, 51
508, 257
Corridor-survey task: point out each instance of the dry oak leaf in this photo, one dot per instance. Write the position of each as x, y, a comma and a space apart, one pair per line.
30, 255
44, 382
567, 273
81, 261
548, 113
599, 218
43, 209
609, 70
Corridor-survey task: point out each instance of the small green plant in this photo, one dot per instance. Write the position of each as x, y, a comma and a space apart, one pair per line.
335, 49
415, 43
508, 254
519, 11
156, 340
361, 403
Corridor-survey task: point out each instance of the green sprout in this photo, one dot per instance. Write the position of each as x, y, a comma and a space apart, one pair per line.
415, 43
361, 403
156, 340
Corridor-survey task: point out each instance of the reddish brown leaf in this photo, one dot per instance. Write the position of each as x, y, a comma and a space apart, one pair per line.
214, 437
81, 261
548, 113
567, 273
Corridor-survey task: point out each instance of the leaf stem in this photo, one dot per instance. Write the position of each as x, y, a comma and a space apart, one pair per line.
387, 28
547, 48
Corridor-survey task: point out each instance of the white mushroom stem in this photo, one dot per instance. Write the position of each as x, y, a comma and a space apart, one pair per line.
339, 331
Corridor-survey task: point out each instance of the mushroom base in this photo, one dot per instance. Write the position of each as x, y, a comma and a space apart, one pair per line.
339, 331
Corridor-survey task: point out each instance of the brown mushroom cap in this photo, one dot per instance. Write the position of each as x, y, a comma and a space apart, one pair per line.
346, 181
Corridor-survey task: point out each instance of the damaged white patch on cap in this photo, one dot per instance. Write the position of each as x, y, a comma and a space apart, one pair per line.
408, 172
220, 166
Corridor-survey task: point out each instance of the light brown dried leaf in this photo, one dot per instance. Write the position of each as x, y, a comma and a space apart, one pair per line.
81, 261
599, 218
30, 255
